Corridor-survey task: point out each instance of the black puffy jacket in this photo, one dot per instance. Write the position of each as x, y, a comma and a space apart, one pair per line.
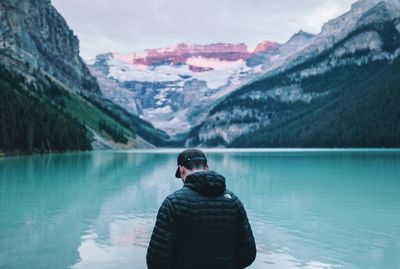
202, 226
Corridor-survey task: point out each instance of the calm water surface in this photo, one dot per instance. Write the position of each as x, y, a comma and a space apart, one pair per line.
308, 209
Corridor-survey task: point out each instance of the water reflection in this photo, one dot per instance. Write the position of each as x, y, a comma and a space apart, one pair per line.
126, 244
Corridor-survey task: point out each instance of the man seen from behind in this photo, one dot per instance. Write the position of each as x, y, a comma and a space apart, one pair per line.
202, 225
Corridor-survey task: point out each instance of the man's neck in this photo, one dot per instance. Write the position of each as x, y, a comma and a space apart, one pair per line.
194, 171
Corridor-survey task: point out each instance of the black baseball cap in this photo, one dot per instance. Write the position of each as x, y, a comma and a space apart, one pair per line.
188, 156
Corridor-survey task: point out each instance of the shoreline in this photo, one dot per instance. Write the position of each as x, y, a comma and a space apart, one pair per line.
24, 154
212, 150
272, 150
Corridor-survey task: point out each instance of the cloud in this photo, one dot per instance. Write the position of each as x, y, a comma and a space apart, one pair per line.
321, 14
126, 25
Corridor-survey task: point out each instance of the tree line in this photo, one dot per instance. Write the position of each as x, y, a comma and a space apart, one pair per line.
30, 124
361, 110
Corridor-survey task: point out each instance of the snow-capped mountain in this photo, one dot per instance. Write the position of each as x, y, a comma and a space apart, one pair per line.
175, 87
306, 87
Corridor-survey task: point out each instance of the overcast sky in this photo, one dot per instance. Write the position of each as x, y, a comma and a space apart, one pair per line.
134, 25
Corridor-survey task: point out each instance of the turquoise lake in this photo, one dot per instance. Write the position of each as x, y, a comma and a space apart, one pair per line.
309, 209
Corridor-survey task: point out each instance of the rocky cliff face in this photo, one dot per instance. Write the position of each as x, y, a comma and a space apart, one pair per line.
34, 34
281, 55
265, 46
181, 53
40, 66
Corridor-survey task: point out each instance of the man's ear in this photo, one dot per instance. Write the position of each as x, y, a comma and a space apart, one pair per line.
181, 170
206, 167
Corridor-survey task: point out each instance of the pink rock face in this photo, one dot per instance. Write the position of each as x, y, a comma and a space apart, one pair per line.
264, 46
182, 52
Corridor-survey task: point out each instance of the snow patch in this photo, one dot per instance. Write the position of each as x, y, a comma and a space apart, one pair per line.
171, 122
214, 63
398, 27
122, 69
227, 132
214, 79
368, 40
288, 94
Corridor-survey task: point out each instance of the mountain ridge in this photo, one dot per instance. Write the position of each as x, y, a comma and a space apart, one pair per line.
263, 104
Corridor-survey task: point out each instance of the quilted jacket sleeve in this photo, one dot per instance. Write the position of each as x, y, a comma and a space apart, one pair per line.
162, 243
246, 245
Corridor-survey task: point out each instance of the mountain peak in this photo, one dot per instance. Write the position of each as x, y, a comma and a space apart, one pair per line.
384, 10
364, 5
302, 34
265, 45
341, 25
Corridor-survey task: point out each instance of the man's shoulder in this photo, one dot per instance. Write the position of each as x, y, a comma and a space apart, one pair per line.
182, 193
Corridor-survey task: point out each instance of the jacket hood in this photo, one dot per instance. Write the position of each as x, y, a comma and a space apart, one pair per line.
207, 183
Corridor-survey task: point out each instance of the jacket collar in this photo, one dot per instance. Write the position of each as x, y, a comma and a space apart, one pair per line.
207, 183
